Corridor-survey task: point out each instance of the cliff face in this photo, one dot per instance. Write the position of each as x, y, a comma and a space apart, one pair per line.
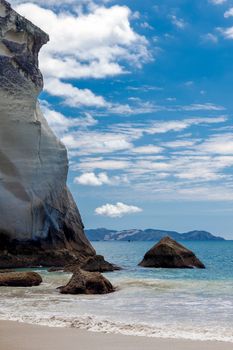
37, 212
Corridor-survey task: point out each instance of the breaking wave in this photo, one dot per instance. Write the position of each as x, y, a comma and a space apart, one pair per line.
98, 324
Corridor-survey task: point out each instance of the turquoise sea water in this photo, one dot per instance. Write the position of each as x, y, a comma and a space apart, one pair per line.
191, 304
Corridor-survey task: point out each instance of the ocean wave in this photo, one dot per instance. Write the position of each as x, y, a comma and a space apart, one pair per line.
166, 284
101, 325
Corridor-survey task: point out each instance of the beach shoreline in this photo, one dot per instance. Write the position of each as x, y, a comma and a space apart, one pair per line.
22, 336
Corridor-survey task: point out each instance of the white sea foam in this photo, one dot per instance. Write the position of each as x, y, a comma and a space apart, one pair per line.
154, 303
98, 324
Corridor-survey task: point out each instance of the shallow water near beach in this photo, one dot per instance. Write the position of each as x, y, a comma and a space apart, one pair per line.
190, 304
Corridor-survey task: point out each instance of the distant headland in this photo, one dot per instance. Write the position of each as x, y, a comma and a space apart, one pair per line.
103, 234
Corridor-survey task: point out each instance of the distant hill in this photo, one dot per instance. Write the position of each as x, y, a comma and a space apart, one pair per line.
103, 234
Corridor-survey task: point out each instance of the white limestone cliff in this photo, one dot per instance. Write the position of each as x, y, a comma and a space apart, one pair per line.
36, 208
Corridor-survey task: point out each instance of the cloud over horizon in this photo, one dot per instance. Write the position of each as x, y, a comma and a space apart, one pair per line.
118, 210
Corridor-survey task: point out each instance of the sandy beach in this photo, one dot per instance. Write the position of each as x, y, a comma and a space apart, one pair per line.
19, 336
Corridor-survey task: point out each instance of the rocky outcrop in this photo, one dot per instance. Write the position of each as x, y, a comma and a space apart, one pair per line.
39, 221
170, 254
95, 263
20, 279
83, 282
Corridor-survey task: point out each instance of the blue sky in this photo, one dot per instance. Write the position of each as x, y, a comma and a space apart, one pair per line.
141, 94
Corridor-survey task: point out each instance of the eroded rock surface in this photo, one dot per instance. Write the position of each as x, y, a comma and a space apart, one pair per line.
95, 263
83, 282
170, 254
39, 221
20, 279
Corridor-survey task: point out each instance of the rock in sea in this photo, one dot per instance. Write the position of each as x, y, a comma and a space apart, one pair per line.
83, 282
39, 221
170, 254
20, 279
95, 263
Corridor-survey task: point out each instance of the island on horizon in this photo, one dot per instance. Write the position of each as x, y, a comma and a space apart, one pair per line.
103, 234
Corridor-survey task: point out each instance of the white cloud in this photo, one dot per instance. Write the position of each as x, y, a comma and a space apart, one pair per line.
210, 37
220, 144
72, 95
103, 164
45, 2
179, 125
62, 124
201, 107
227, 33
189, 83
229, 13
96, 142
148, 149
91, 179
118, 210
93, 44
218, 2
96, 43
178, 22
179, 144
121, 137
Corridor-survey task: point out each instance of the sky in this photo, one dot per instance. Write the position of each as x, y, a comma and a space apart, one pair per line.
140, 92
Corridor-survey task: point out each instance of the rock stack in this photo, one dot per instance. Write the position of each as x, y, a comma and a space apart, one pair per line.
170, 254
39, 221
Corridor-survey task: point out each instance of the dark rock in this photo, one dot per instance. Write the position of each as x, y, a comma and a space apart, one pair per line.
20, 279
17, 256
168, 253
40, 224
98, 264
83, 282
95, 263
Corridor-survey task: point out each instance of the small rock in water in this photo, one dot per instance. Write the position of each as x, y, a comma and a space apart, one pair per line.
20, 279
83, 282
168, 253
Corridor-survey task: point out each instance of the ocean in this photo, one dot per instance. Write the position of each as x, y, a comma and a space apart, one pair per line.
189, 304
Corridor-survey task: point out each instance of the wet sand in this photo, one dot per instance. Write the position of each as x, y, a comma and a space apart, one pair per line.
20, 336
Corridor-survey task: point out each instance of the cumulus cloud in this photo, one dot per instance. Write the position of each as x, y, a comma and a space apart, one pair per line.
229, 13
118, 210
97, 42
92, 179
227, 33
93, 44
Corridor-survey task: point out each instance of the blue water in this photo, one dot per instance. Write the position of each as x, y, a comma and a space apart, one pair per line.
217, 257
190, 304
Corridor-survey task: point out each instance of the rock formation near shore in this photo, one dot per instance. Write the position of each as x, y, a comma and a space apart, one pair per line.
39, 221
170, 254
95, 263
83, 282
20, 279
